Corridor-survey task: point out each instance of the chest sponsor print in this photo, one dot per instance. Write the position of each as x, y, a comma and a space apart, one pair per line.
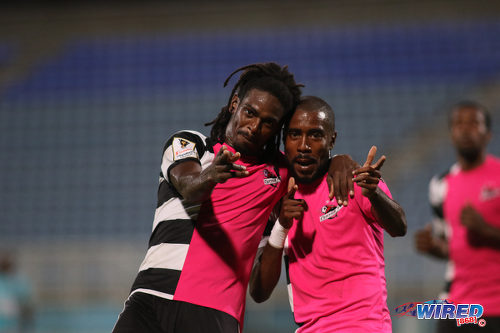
270, 178
329, 211
489, 192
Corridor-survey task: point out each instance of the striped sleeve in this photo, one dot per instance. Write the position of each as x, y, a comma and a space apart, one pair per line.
181, 147
438, 188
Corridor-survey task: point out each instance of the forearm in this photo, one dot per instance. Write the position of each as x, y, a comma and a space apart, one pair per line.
388, 213
266, 273
194, 187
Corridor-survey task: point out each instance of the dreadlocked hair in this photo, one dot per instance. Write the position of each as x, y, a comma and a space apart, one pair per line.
269, 77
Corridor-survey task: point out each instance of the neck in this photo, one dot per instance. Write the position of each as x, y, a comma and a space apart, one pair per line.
468, 163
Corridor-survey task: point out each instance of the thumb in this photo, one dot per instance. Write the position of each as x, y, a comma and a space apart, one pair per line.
291, 188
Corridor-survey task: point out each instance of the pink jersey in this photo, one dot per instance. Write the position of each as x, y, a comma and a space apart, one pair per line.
477, 264
336, 265
229, 227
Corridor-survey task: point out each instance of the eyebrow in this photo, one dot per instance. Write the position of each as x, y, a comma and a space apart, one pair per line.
311, 130
275, 119
249, 106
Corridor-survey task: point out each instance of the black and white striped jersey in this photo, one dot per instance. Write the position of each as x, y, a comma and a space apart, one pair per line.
174, 219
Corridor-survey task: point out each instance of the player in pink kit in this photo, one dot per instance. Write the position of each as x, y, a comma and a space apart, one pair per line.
333, 253
471, 208
215, 197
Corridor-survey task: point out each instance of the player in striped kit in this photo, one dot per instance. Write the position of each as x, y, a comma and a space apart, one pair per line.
214, 199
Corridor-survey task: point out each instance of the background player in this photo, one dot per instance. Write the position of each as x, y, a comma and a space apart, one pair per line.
471, 208
334, 253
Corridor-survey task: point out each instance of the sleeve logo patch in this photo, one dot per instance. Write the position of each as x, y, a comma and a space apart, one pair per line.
183, 148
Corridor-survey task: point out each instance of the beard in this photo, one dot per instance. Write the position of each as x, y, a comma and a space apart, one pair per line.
470, 154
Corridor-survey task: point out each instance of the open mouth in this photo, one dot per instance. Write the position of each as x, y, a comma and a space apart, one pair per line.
305, 164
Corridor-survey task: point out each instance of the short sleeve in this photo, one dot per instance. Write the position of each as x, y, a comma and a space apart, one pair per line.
437, 193
181, 147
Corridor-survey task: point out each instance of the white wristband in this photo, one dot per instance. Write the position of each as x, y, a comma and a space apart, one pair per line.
278, 236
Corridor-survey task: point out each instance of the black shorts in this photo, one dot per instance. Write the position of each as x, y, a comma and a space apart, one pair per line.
152, 314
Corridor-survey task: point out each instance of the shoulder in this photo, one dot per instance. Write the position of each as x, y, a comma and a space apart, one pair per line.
186, 143
493, 160
186, 137
438, 182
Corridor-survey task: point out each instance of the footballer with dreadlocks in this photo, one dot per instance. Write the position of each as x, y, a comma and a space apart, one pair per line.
215, 197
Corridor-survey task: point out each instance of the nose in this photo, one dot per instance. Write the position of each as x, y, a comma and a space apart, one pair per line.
304, 146
254, 127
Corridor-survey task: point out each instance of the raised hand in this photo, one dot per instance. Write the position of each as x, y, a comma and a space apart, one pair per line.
368, 176
339, 178
291, 208
471, 219
224, 167
427, 243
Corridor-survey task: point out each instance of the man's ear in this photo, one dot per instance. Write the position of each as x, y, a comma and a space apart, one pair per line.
332, 140
235, 101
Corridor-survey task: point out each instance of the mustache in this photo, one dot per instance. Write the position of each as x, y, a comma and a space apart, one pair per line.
247, 135
304, 157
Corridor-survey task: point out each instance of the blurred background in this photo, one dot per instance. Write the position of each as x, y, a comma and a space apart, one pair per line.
91, 90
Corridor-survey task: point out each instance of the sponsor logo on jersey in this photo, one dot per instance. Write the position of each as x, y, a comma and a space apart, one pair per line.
489, 192
183, 148
329, 211
270, 178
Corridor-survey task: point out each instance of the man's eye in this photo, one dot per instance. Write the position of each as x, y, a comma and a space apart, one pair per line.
268, 122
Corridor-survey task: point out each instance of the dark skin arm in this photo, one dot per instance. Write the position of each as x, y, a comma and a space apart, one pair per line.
266, 272
426, 243
196, 185
388, 212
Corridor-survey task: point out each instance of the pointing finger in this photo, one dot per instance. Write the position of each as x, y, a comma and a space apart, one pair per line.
371, 156
380, 162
